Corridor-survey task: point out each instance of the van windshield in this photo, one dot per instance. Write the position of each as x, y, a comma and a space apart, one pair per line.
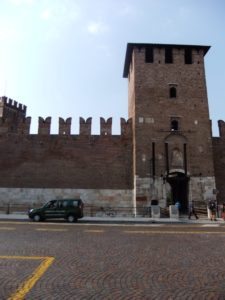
51, 204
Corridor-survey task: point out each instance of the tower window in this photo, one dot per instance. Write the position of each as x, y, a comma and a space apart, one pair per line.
168, 55
188, 56
174, 125
173, 92
149, 55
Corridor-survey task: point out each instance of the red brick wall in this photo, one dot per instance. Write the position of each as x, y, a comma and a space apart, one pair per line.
149, 98
73, 161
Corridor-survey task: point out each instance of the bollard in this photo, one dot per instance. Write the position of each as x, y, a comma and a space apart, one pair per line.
8, 209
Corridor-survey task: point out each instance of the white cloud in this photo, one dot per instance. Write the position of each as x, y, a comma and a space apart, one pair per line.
60, 12
97, 28
58, 16
46, 14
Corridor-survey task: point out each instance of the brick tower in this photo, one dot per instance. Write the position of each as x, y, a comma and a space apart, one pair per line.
172, 139
11, 114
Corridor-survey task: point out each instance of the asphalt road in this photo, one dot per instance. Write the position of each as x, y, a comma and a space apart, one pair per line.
92, 261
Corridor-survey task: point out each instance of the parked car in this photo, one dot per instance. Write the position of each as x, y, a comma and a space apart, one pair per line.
69, 209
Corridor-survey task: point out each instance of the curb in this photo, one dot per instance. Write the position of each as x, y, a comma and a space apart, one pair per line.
111, 220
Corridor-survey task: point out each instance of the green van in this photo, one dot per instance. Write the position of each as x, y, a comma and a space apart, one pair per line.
69, 209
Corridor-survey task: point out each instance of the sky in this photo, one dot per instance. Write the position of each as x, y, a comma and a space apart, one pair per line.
65, 58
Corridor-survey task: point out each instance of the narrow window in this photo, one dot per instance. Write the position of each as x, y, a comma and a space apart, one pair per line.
188, 56
173, 92
153, 159
174, 125
149, 54
168, 55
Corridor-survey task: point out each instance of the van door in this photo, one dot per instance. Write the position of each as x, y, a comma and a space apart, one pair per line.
50, 209
62, 206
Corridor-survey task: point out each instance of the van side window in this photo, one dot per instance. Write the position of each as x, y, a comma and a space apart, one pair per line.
64, 204
75, 203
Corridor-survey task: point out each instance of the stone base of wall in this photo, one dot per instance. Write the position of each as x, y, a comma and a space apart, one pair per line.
148, 189
104, 202
202, 189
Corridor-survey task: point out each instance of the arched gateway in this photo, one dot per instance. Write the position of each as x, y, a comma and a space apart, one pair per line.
179, 189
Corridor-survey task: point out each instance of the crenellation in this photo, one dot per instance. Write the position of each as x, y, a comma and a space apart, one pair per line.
12, 104
65, 126
105, 126
3, 99
44, 126
126, 127
24, 126
221, 125
85, 126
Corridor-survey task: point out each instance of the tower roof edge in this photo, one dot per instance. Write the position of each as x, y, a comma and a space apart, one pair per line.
131, 46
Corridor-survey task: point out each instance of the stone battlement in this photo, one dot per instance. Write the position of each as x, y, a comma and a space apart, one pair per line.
221, 125
64, 128
8, 102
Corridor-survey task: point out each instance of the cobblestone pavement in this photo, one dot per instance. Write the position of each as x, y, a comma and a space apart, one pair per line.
161, 261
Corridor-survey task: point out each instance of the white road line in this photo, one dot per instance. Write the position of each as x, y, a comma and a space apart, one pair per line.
210, 225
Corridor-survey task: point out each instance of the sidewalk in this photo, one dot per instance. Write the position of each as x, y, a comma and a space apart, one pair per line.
140, 220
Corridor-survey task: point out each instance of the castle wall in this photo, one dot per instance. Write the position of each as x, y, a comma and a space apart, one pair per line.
168, 135
39, 167
219, 161
49, 161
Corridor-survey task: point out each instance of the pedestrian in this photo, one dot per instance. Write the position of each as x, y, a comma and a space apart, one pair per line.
223, 211
192, 211
177, 204
212, 210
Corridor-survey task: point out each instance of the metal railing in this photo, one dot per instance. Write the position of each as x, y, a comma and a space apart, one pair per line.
99, 211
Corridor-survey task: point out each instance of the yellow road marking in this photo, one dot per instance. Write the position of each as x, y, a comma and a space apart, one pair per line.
35, 276
94, 230
172, 232
12, 222
7, 228
50, 229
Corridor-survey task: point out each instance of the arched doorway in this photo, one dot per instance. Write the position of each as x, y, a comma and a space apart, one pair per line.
179, 189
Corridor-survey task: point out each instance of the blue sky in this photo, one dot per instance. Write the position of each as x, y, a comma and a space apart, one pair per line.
64, 58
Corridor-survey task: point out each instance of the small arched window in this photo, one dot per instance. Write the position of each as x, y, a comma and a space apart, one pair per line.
173, 92
174, 125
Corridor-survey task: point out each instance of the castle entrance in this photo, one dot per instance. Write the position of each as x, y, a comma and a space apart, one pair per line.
179, 189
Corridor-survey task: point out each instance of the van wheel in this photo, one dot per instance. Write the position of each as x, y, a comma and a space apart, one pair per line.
71, 219
36, 218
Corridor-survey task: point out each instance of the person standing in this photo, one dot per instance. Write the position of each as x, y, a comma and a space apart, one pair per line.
178, 206
212, 210
223, 211
192, 211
